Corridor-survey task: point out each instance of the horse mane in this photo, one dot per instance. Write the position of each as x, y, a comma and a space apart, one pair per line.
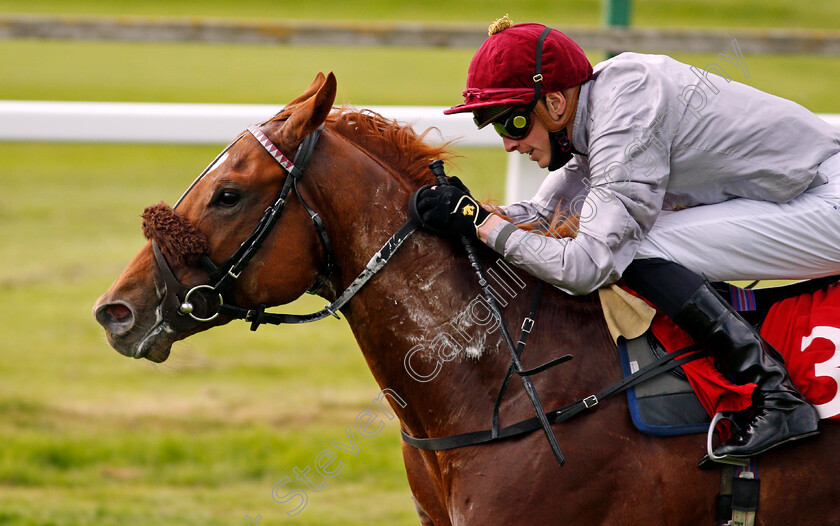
397, 147
408, 155
401, 148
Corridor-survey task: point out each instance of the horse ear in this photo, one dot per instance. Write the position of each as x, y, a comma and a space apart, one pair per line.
308, 92
310, 114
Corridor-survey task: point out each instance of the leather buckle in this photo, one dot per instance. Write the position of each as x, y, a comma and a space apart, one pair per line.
527, 325
590, 401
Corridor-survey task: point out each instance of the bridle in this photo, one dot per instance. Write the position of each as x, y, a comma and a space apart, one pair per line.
186, 308
194, 305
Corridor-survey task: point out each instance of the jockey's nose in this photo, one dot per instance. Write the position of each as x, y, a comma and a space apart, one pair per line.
510, 144
116, 316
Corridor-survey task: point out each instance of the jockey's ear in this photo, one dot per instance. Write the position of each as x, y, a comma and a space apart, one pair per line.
310, 113
550, 111
311, 90
556, 104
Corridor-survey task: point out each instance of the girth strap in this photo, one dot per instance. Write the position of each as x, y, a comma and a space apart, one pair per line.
660, 366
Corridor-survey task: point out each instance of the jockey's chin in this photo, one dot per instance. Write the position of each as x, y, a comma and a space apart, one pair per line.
541, 161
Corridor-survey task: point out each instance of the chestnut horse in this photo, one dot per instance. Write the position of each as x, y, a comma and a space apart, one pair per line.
361, 174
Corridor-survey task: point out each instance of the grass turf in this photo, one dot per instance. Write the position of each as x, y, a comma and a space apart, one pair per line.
120, 71
694, 13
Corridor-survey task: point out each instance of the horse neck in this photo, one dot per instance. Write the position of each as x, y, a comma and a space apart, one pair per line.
425, 303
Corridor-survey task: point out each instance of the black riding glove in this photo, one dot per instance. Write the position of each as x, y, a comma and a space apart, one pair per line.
449, 210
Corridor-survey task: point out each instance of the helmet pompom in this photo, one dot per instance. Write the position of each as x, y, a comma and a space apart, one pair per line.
500, 24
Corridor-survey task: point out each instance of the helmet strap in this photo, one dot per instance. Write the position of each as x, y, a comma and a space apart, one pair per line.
562, 149
538, 78
561, 146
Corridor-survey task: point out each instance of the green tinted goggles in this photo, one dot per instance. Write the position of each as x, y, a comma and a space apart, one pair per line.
513, 123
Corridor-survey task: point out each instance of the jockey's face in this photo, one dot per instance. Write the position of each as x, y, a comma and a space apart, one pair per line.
536, 144
552, 115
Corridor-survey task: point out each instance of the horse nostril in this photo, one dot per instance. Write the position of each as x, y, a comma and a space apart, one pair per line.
118, 312
118, 318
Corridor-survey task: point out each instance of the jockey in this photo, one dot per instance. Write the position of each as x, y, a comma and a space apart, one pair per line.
672, 173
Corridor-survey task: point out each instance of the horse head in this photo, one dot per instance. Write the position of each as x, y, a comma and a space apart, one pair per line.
140, 310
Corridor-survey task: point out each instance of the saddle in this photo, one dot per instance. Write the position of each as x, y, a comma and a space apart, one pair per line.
801, 321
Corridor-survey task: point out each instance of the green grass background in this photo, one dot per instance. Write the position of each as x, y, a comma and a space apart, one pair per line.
90, 437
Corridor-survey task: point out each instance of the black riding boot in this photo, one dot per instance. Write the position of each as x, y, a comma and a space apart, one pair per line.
780, 412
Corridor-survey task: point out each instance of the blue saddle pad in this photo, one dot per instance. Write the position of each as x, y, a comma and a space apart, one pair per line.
666, 404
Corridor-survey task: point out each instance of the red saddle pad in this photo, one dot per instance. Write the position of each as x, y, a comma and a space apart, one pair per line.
805, 329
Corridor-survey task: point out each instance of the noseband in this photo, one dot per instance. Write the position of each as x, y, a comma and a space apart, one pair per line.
184, 307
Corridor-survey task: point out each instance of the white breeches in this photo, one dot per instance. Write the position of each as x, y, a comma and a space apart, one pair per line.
744, 239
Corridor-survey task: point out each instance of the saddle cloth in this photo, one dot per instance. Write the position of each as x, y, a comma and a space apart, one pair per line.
805, 329
666, 404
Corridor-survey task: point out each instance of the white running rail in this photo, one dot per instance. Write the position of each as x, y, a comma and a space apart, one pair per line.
218, 123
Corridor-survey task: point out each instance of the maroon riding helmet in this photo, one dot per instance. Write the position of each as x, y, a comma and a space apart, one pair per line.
513, 68
502, 71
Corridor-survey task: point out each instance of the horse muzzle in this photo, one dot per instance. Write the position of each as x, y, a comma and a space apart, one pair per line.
147, 325
130, 333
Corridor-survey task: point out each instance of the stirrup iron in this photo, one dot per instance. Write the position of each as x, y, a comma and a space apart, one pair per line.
721, 415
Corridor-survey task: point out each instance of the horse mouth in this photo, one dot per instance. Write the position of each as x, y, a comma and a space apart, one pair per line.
156, 354
156, 344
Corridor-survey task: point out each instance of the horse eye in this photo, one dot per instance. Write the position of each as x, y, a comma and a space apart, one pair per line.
227, 198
